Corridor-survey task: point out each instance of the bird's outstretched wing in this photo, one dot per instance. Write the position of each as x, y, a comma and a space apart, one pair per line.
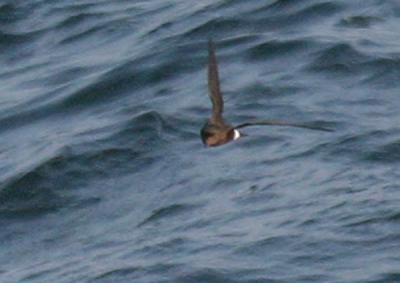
282, 123
213, 85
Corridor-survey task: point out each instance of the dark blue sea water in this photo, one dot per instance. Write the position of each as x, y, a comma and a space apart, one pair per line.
103, 176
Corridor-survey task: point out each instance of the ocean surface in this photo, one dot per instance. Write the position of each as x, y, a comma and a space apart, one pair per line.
103, 175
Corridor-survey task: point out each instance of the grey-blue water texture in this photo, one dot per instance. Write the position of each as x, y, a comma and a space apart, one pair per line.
103, 175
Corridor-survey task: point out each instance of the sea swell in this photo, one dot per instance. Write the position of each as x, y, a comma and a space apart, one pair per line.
103, 175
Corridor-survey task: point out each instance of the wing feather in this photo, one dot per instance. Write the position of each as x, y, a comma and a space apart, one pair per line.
282, 123
213, 84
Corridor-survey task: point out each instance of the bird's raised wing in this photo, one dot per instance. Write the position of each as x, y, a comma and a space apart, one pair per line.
282, 123
213, 84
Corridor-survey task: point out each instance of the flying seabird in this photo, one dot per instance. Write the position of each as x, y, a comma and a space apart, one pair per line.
216, 131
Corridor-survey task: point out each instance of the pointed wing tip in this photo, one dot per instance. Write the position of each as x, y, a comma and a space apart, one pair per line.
211, 46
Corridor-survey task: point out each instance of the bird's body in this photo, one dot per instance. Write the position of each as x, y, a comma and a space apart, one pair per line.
214, 134
216, 131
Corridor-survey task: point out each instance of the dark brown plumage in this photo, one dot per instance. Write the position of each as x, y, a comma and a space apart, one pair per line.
216, 131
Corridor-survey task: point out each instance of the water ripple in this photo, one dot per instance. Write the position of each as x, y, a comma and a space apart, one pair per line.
102, 164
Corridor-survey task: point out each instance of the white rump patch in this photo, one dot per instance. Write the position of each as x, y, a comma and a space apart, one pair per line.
236, 134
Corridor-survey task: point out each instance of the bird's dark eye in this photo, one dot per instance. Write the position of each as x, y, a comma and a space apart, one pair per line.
208, 134
204, 133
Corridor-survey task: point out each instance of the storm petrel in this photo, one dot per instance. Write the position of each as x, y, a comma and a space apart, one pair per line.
216, 131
